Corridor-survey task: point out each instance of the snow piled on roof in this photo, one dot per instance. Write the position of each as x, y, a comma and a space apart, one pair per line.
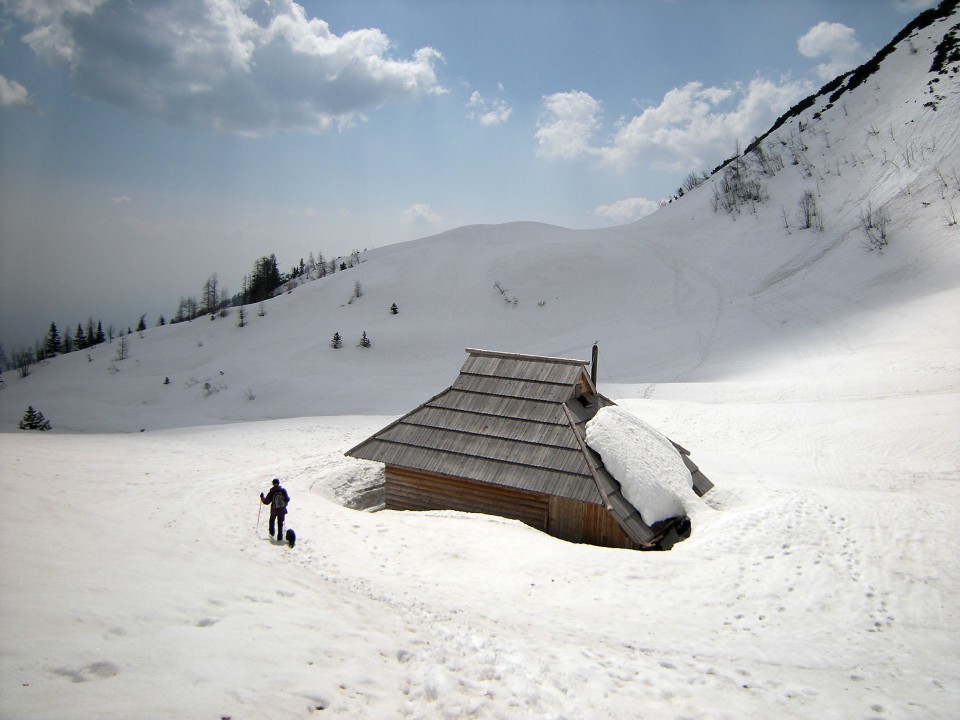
650, 470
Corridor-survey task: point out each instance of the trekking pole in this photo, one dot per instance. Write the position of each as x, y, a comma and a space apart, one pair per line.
258, 517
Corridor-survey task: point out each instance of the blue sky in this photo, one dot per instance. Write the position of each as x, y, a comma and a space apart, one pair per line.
146, 145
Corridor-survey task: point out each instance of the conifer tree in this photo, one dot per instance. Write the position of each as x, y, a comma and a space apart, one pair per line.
394, 309
52, 346
265, 279
79, 338
364, 340
34, 420
336, 343
99, 337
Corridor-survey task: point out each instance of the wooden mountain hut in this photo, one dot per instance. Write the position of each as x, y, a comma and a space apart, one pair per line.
508, 439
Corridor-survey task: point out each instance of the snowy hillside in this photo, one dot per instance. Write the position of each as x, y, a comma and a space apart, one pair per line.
816, 381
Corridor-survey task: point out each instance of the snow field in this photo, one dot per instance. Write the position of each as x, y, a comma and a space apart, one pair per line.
811, 595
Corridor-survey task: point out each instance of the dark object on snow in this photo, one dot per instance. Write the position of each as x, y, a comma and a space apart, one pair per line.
508, 439
34, 420
278, 499
291, 537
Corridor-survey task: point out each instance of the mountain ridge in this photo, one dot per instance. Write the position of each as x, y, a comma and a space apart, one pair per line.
687, 294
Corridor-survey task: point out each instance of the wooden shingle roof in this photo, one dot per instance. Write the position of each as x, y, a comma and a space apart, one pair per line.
501, 422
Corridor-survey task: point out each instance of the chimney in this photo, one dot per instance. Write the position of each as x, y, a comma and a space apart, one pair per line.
593, 365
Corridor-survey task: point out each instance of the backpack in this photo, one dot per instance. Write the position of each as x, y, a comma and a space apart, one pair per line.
279, 501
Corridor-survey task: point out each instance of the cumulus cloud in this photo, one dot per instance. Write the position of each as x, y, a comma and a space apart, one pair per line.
120, 200
836, 43
567, 124
485, 111
627, 210
693, 125
420, 213
252, 68
13, 94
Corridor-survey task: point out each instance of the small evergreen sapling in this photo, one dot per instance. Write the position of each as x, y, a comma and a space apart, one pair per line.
336, 343
364, 340
34, 420
394, 309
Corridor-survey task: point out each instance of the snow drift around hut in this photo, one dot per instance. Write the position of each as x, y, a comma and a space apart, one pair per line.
652, 475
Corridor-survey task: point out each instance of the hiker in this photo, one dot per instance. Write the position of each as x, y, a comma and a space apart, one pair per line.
278, 500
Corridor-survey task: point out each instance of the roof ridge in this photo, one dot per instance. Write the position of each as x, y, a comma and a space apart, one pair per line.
520, 356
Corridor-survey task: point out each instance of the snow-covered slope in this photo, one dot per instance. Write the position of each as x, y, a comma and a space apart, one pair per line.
816, 383
687, 294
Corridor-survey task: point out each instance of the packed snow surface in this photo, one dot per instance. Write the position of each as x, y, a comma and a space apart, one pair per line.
815, 382
651, 473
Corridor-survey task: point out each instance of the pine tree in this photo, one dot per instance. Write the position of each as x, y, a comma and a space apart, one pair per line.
52, 345
365, 341
394, 309
336, 343
80, 339
99, 337
34, 420
265, 279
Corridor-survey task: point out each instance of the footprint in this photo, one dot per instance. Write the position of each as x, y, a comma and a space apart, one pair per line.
94, 671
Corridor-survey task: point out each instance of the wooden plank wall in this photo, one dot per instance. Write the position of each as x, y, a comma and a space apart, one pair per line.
601, 528
569, 520
412, 490
566, 519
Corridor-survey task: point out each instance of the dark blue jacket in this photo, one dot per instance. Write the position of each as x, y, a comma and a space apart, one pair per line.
268, 499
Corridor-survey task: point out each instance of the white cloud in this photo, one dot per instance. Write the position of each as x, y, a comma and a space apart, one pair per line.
627, 210
495, 111
692, 126
420, 213
120, 200
567, 125
835, 42
13, 94
251, 68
